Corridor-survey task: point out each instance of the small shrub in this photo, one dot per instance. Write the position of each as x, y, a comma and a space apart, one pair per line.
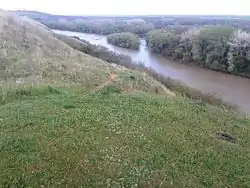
53, 90
110, 89
69, 106
18, 144
22, 92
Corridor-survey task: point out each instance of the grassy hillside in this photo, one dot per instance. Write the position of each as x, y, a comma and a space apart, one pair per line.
32, 55
56, 137
87, 123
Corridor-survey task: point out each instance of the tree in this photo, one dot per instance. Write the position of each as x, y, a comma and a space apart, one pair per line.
124, 40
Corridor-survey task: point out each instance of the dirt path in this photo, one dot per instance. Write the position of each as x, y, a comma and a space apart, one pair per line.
111, 77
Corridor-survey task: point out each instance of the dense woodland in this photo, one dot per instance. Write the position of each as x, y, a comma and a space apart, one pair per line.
220, 43
135, 24
103, 27
124, 40
219, 48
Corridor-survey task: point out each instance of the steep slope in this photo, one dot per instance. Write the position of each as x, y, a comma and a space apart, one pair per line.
29, 53
127, 79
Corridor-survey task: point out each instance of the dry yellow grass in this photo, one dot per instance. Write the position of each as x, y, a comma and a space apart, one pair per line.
30, 54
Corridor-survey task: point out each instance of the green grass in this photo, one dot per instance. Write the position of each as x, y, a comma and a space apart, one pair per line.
66, 137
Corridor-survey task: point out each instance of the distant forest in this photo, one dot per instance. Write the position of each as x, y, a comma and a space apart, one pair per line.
134, 24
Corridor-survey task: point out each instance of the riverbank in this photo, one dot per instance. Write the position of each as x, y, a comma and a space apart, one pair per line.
196, 64
204, 66
220, 48
232, 89
125, 61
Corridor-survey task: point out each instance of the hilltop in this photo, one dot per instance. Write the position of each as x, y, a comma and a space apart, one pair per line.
68, 119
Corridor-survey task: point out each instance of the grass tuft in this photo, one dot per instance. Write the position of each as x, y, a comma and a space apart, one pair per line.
22, 92
68, 106
18, 144
53, 90
107, 90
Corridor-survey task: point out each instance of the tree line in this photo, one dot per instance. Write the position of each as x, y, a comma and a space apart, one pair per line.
149, 22
221, 48
104, 27
216, 42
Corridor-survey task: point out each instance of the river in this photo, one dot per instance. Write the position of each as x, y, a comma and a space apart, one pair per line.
232, 89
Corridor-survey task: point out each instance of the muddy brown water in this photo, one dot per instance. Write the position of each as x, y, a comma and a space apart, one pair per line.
232, 89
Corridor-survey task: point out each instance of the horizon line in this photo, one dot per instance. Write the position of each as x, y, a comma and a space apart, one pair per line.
121, 15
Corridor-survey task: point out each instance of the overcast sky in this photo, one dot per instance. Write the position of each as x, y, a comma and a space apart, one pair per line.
125, 7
